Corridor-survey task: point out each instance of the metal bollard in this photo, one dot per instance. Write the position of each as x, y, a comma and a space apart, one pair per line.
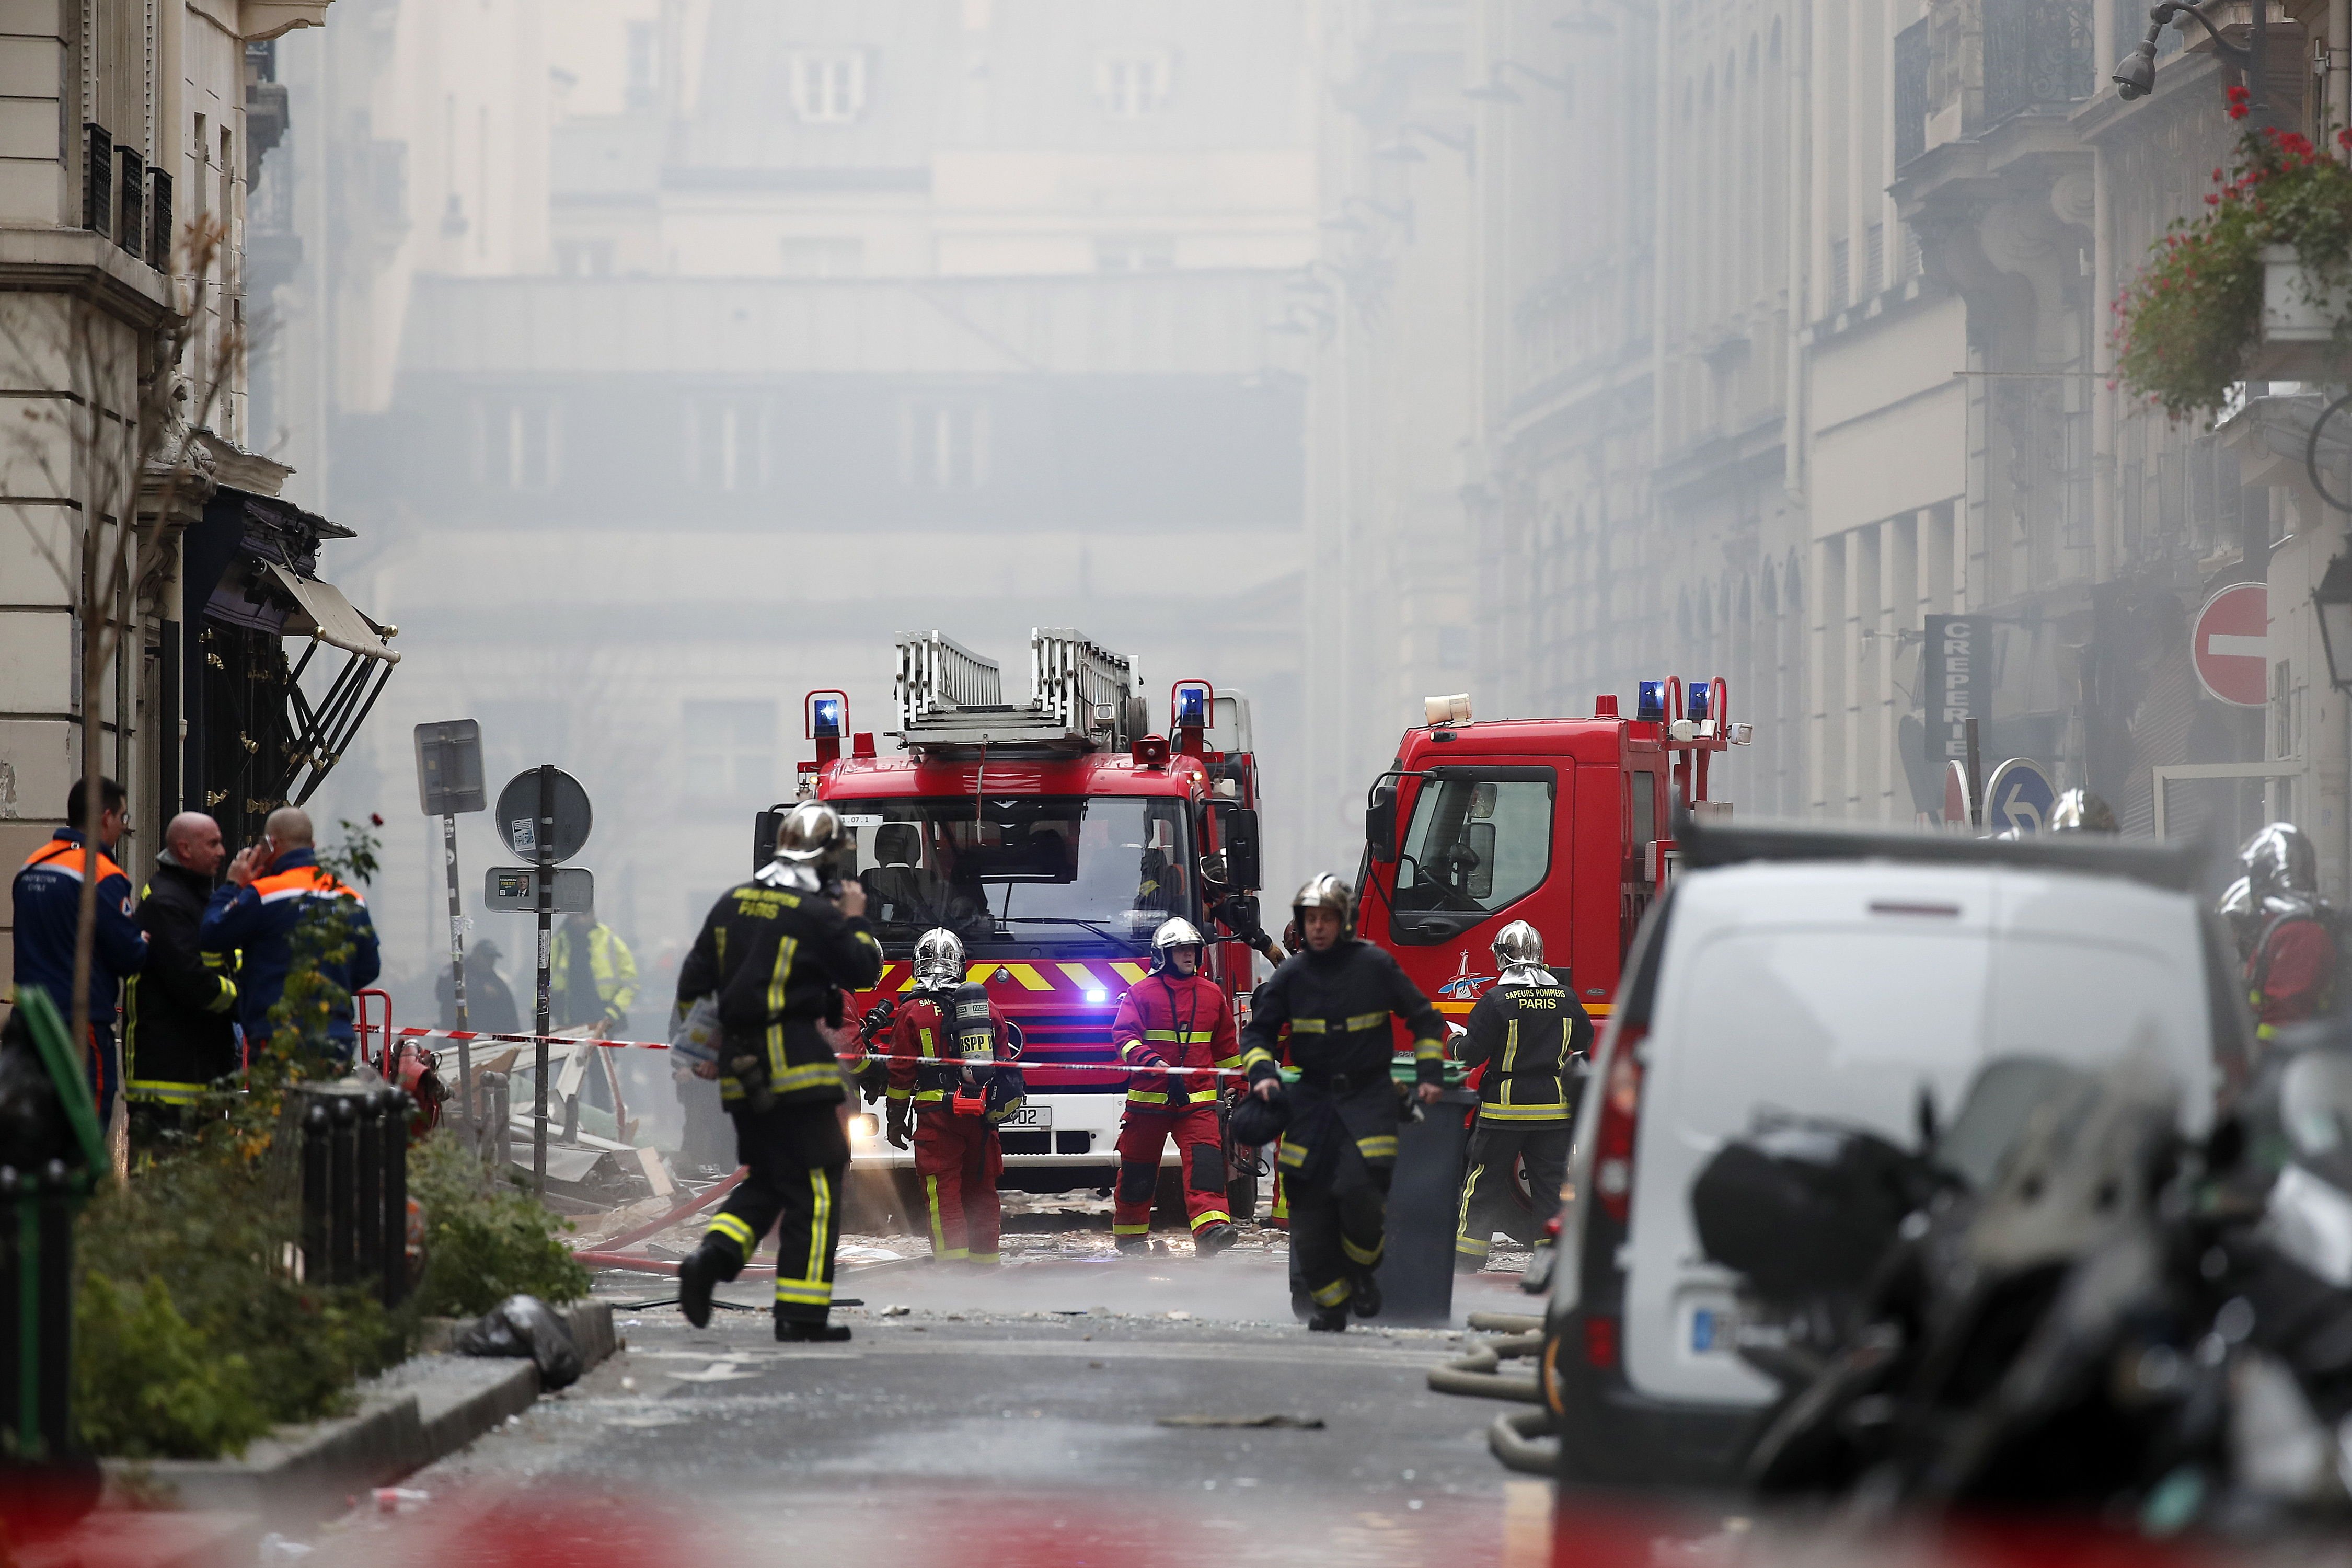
395, 1254
367, 1187
36, 1215
343, 1181
315, 1138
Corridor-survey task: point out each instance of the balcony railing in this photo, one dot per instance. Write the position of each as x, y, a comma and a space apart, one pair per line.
2037, 54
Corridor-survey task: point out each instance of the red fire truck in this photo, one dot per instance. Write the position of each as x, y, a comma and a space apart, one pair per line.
1562, 823
1052, 836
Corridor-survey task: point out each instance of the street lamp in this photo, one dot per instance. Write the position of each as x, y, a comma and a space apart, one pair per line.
2136, 77
1399, 149
2333, 600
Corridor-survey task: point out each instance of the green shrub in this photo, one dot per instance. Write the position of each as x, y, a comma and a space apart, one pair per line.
485, 1239
153, 1386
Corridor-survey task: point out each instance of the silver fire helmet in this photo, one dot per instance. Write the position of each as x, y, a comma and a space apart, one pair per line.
810, 831
1519, 953
1171, 935
1325, 892
938, 959
2080, 811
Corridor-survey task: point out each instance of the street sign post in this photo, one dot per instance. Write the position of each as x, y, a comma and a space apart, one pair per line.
544, 817
2230, 643
2020, 795
449, 781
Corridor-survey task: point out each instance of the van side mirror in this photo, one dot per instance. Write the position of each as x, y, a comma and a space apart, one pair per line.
1380, 822
1241, 849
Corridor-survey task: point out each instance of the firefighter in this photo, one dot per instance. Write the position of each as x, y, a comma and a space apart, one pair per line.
2080, 811
1235, 909
273, 887
779, 951
1174, 1017
959, 1157
2289, 967
592, 976
179, 1029
47, 903
1531, 1036
1336, 996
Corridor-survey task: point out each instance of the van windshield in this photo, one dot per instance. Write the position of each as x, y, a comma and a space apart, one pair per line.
1480, 840
1039, 869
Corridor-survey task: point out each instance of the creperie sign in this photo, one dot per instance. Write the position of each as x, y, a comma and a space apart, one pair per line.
1956, 685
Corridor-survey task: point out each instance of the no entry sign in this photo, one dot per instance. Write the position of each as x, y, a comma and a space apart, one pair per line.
2230, 644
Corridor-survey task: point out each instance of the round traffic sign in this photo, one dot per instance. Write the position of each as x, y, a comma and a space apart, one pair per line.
2020, 795
1956, 793
518, 816
2231, 645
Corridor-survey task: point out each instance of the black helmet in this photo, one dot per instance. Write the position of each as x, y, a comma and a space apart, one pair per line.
1256, 1122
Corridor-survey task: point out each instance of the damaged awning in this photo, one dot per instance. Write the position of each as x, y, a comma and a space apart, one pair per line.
325, 615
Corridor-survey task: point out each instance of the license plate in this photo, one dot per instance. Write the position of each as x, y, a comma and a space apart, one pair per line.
1712, 1331
1030, 1119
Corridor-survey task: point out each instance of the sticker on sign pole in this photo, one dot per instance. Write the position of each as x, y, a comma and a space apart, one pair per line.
2230, 643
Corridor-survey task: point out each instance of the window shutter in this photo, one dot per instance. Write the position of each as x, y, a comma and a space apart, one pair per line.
97, 180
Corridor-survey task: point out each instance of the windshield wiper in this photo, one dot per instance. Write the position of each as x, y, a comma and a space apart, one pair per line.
1095, 926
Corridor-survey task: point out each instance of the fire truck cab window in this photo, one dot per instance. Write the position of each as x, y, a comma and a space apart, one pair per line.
1027, 870
1480, 840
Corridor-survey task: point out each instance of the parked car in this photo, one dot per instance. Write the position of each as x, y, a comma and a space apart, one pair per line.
1860, 977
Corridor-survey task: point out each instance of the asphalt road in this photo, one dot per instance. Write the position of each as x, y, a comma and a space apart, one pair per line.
1012, 1418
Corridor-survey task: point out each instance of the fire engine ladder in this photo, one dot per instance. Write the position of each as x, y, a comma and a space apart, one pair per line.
950, 700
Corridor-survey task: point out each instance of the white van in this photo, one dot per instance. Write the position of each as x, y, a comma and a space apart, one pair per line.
1834, 975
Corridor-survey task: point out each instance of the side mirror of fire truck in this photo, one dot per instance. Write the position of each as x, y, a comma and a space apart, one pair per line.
1380, 822
1240, 824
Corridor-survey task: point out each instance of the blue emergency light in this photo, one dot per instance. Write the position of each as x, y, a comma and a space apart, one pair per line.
825, 712
1649, 707
1695, 700
1192, 707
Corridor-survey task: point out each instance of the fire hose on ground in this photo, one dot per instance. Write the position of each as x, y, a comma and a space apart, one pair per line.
1515, 1436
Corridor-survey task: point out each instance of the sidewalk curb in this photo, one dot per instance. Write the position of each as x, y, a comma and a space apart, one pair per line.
425, 1409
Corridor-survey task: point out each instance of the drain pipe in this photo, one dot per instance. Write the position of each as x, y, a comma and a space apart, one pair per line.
2340, 66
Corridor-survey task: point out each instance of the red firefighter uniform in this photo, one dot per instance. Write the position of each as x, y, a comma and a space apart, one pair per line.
958, 1154
1173, 1020
2291, 975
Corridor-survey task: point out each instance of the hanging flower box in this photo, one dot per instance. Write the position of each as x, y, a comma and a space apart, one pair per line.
2303, 314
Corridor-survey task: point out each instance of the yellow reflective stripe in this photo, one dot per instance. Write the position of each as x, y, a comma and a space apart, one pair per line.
164, 1091
1125, 1046
1461, 1215
808, 1075
820, 1251
985, 1259
1363, 1258
1428, 1051
1557, 1112
1137, 1228
1142, 1097
1132, 973
735, 1230
1229, 1063
1366, 1021
1334, 1293
805, 1292
1469, 1248
1380, 1146
896, 1093
1181, 1036
939, 1228
227, 1000
1256, 1055
1026, 974
1211, 1216
1308, 1027
1510, 1055
930, 1097
1292, 1154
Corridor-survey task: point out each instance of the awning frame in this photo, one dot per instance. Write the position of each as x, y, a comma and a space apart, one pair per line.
322, 731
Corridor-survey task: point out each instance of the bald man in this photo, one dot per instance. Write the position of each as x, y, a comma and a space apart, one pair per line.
180, 1016
273, 887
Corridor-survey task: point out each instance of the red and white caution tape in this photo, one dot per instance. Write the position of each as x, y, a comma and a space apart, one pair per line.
477, 1037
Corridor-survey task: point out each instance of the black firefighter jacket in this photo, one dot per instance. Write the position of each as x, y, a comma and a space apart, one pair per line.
1531, 1039
182, 1006
779, 960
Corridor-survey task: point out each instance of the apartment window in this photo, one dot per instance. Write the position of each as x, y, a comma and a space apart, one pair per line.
821, 255
1874, 267
1132, 86
1840, 278
730, 750
1134, 252
645, 63
944, 445
584, 258
828, 87
1915, 262
726, 447
517, 443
